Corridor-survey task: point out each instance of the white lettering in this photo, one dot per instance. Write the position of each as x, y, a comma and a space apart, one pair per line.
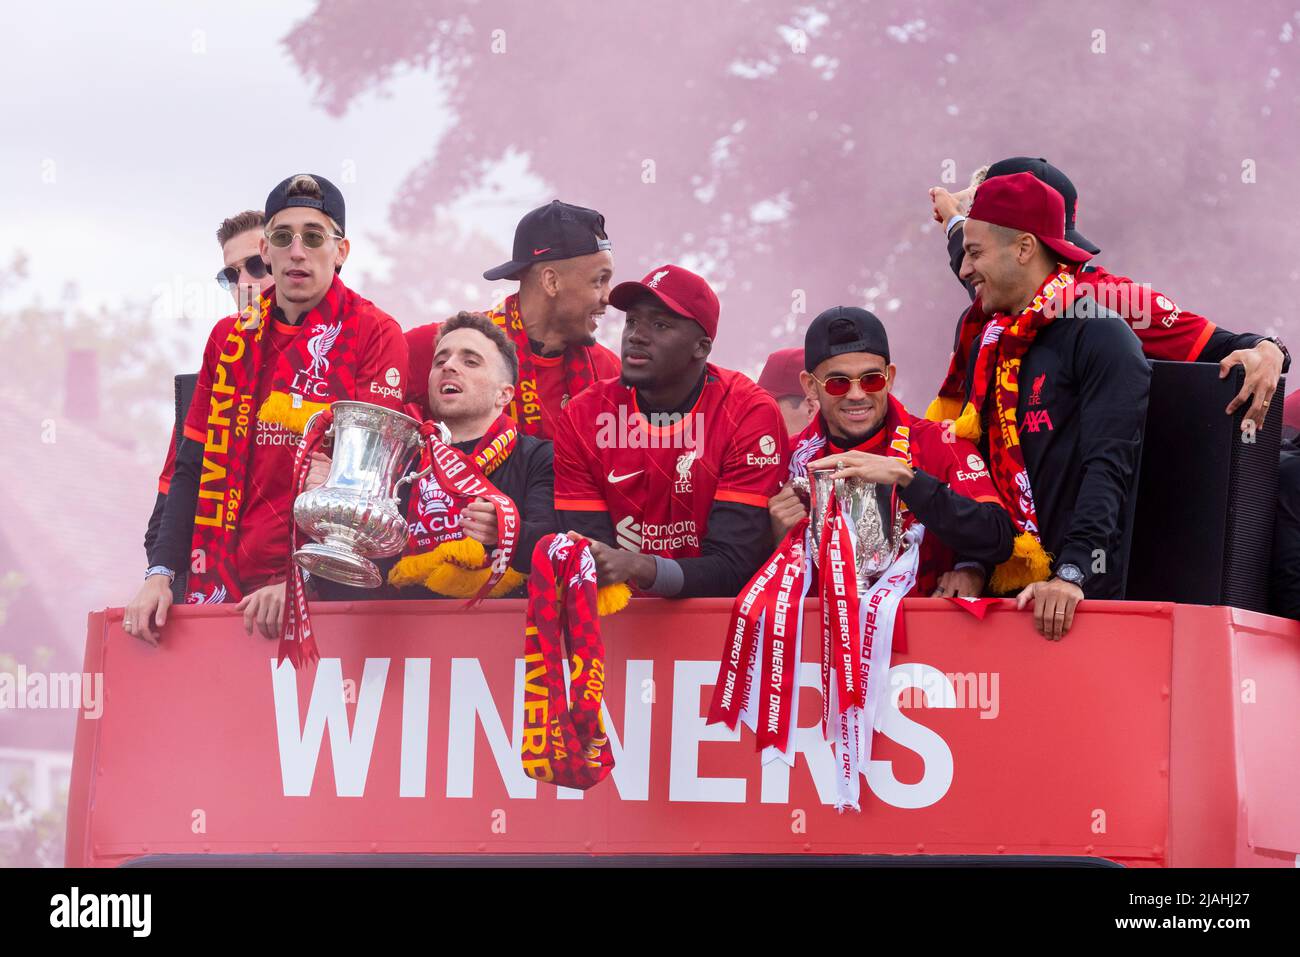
349, 751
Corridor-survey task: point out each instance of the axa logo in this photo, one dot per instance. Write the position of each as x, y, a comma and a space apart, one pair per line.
1037, 420
627, 534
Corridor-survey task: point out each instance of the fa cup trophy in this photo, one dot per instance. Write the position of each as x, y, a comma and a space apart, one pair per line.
355, 516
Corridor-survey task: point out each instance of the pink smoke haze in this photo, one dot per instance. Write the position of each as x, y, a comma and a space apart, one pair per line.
782, 149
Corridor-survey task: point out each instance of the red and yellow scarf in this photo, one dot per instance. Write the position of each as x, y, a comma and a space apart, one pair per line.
315, 369
526, 407
564, 739
1001, 346
438, 553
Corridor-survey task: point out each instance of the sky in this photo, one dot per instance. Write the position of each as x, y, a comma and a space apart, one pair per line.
121, 158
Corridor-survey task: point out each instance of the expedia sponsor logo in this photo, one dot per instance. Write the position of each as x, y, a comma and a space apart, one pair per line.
393, 377
768, 454
976, 466
392, 393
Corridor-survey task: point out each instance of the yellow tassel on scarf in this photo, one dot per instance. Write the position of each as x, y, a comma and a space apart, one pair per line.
414, 569
278, 410
942, 408
454, 569
455, 582
967, 425
612, 599
1028, 564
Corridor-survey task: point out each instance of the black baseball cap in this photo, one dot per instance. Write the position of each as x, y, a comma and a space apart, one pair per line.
554, 231
843, 329
330, 203
1053, 177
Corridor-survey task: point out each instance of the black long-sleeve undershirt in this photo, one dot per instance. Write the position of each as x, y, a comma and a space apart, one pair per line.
738, 540
171, 543
976, 531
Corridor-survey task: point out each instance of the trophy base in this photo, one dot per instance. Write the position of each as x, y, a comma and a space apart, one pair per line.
338, 565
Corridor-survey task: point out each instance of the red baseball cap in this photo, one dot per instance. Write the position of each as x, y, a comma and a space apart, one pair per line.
780, 376
680, 290
1023, 202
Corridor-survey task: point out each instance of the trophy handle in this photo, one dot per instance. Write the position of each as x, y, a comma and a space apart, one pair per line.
329, 431
444, 434
411, 477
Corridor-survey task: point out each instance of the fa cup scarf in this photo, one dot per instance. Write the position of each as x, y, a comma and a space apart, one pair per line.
317, 367
758, 680
995, 390
438, 553
564, 738
526, 407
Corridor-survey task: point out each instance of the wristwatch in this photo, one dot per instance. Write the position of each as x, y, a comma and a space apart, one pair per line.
1070, 573
160, 570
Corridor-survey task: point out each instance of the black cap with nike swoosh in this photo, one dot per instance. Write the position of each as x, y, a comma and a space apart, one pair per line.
554, 231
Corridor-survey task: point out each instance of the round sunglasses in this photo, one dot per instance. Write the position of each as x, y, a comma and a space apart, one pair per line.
282, 237
255, 266
838, 385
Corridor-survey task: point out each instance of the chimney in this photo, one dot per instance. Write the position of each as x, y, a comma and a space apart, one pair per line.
81, 387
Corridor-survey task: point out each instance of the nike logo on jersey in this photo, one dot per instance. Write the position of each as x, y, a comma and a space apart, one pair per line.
615, 479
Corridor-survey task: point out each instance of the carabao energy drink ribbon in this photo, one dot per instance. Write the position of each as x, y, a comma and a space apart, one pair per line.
564, 739
853, 726
758, 682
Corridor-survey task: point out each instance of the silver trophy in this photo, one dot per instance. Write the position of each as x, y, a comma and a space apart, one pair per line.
355, 516
871, 509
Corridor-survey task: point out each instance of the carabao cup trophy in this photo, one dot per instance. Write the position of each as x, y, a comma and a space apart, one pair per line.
355, 516
872, 512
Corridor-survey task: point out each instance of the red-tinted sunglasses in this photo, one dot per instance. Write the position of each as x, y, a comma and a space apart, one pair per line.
838, 385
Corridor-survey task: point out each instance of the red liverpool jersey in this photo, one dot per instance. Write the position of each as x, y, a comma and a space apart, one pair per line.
658, 482
262, 552
1165, 330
